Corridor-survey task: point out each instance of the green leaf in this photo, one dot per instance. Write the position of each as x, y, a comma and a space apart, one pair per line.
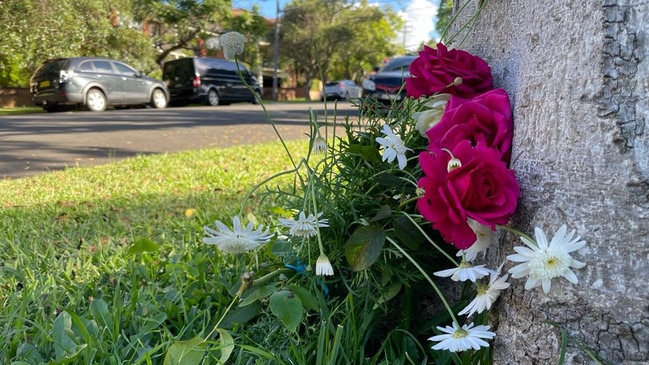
388, 293
364, 247
65, 341
63, 337
408, 233
28, 352
142, 245
241, 315
281, 248
257, 294
389, 180
369, 153
101, 314
190, 352
308, 300
383, 213
227, 344
286, 306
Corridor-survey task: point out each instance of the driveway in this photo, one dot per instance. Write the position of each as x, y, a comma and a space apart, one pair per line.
35, 143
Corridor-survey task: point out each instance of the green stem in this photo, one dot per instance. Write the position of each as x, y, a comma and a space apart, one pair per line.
517, 233
266, 180
470, 22
430, 281
266, 113
315, 209
431, 241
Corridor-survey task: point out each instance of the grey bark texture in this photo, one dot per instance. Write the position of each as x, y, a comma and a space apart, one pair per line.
577, 73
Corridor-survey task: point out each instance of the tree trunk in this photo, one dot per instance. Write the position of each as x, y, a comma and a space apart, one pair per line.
578, 79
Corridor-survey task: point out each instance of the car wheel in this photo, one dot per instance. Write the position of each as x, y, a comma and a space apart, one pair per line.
213, 98
158, 99
95, 100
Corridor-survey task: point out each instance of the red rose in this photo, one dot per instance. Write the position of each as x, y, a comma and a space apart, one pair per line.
476, 185
485, 119
435, 69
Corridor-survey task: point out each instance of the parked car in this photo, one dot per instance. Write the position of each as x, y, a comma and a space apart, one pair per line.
387, 85
94, 82
210, 81
339, 90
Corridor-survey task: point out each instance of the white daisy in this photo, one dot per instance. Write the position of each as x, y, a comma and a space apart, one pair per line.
487, 294
465, 271
237, 240
323, 266
484, 236
304, 226
232, 44
429, 117
319, 145
541, 262
393, 147
458, 338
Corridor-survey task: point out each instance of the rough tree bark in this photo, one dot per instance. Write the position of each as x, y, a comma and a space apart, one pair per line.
578, 77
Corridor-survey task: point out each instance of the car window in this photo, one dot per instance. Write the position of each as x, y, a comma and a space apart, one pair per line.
182, 69
124, 70
53, 66
102, 66
86, 66
229, 66
398, 64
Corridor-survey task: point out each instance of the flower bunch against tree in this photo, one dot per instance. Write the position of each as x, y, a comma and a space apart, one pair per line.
468, 190
344, 227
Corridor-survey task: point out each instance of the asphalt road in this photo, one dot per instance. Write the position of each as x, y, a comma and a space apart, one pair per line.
36, 143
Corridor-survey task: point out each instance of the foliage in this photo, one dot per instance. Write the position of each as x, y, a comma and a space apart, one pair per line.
65, 28
315, 33
180, 24
103, 265
444, 15
367, 47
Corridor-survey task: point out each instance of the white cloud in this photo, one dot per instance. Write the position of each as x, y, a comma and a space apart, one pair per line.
419, 17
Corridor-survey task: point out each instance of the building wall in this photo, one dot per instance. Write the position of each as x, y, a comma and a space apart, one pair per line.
15, 97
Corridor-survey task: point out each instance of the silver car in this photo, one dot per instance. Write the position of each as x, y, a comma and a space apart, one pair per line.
341, 90
95, 83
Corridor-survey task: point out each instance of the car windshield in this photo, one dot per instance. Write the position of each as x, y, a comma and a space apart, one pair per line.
53, 66
401, 64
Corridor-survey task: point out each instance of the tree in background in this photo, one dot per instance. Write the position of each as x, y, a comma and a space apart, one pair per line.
371, 30
319, 37
256, 29
444, 15
179, 24
64, 28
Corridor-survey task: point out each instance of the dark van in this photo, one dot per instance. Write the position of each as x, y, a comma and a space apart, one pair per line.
210, 81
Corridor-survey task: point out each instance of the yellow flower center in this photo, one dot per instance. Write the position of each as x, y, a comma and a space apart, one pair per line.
460, 333
550, 264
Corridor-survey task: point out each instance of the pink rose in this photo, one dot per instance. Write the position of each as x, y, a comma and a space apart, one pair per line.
485, 119
437, 70
476, 185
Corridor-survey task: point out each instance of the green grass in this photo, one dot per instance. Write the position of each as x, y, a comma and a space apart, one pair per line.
110, 258
21, 110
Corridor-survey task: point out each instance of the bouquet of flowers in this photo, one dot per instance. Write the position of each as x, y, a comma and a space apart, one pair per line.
343, 263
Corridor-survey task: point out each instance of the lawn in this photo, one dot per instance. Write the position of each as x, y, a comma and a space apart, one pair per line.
106, 265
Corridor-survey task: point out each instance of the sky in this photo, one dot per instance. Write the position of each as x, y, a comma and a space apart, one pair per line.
419, 16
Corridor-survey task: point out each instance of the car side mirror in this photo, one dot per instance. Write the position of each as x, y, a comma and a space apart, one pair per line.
138, 74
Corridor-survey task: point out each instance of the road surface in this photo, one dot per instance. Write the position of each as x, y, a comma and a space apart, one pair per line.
35, 143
